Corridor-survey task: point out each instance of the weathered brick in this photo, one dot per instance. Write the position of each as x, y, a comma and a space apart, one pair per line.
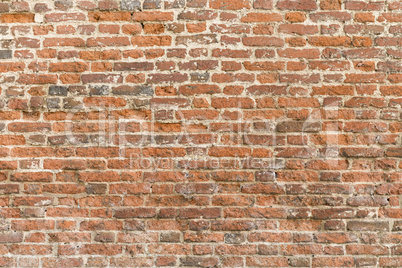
297, 5
6, 54
17, 18
130, 5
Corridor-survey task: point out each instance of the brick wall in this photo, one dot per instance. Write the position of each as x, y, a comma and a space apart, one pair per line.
200, 133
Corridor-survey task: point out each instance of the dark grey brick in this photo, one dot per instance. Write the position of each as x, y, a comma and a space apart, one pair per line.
299, 262
199, 261
6, 54
172, 237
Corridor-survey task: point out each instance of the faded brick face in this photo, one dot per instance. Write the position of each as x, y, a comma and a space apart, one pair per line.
195, 133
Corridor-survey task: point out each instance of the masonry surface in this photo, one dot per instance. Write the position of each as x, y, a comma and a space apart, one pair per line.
200, 133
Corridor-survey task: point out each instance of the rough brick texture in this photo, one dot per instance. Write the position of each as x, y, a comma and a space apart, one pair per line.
200, 133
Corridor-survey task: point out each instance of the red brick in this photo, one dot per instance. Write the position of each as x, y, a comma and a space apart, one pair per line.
152, 16
109, 16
